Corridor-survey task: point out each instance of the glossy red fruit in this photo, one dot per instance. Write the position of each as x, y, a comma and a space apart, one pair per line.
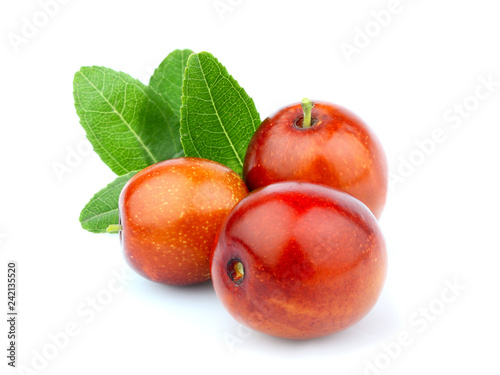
337, 150
299, 260
170, 213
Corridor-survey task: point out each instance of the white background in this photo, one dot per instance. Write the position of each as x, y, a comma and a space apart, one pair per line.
441, 221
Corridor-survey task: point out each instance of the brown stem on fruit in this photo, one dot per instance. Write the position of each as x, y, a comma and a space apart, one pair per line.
235, 270
240, 271
307, 106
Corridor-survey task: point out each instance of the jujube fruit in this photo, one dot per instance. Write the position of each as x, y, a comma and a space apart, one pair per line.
170, 213
324, 144
299, 260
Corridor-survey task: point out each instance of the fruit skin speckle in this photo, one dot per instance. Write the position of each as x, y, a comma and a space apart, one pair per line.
170, 213
314, 260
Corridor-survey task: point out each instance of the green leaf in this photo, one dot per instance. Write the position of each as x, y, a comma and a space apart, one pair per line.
102, 209
130, 125
218, 118
167, 79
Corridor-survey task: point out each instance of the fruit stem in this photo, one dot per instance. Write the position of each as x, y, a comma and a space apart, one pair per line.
240, 271
307, 106
113, 228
